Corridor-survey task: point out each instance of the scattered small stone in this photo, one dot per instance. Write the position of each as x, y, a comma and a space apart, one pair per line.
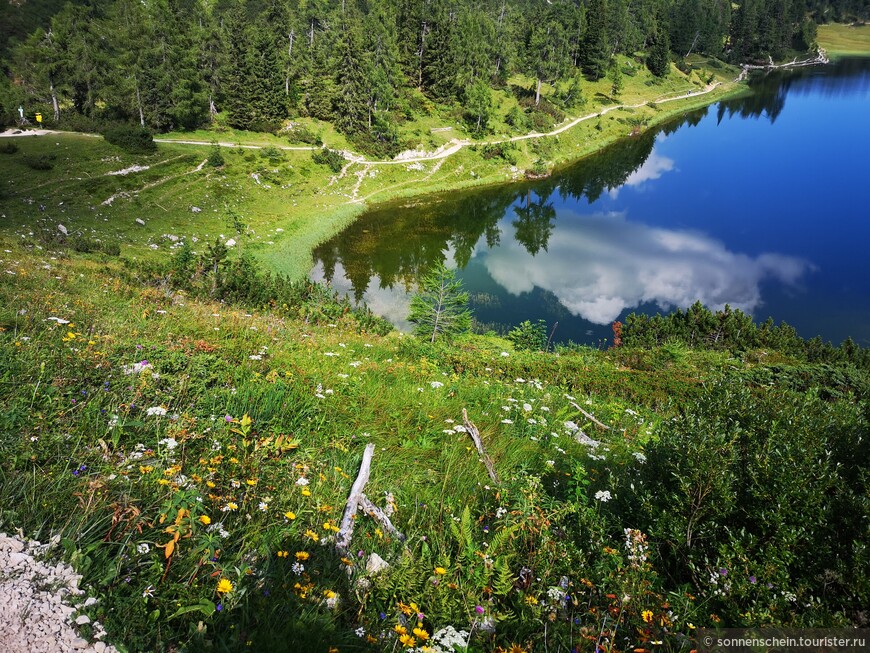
62, 230
36, 620
196, 209
376, 564
140, 221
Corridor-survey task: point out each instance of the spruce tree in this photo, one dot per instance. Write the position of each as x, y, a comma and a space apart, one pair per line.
595, 50
659, 58
440, 306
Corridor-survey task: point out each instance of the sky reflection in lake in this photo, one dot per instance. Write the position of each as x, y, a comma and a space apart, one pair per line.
602, 264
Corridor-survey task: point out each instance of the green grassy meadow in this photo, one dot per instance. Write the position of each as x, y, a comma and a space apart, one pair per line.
844, 40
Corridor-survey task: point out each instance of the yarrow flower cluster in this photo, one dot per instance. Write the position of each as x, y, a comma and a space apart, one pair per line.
603, 496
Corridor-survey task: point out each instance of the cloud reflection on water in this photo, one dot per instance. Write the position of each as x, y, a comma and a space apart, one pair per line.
601, 264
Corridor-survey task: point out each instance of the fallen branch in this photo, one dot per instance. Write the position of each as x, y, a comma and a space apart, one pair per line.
475, 435
345, 531
590, 417
372, 510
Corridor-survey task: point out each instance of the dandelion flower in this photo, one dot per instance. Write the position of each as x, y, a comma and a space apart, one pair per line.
290, 515
306, 492
205, 520
440, 571
224, 586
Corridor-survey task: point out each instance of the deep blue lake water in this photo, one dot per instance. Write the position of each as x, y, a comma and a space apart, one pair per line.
759, 202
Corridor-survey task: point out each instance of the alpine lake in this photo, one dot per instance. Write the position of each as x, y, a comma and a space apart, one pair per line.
760, 202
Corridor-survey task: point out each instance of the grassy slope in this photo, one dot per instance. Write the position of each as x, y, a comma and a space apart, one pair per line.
844, 40
328, 387
296, 204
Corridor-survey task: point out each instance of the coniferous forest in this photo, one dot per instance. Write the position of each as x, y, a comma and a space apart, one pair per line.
359, 64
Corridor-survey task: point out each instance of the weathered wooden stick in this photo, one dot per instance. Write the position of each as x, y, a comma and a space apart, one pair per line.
475, 435
590, 417
371, 509
345, 531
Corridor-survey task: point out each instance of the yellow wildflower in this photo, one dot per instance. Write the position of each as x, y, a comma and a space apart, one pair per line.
205, 520
314, 536
647, 616
407, 641
306, 492
400, 629
251, 481
224, 586
302, 555
290, 515
421, 634
440, 571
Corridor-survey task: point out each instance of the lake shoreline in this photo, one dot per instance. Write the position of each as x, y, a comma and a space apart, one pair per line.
341, 216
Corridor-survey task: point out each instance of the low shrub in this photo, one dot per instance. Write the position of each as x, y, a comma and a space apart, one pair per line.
39, 161
272, 153
302, 134
215, 156
540, 122
130, 138
506, 151
8, 148
330, 158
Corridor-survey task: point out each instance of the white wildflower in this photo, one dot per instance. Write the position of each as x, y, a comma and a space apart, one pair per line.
603, 496
143, 548
160, 411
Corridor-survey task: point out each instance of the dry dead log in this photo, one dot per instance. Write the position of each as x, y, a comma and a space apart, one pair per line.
590, 417
475, 435
345, 531
372, 510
